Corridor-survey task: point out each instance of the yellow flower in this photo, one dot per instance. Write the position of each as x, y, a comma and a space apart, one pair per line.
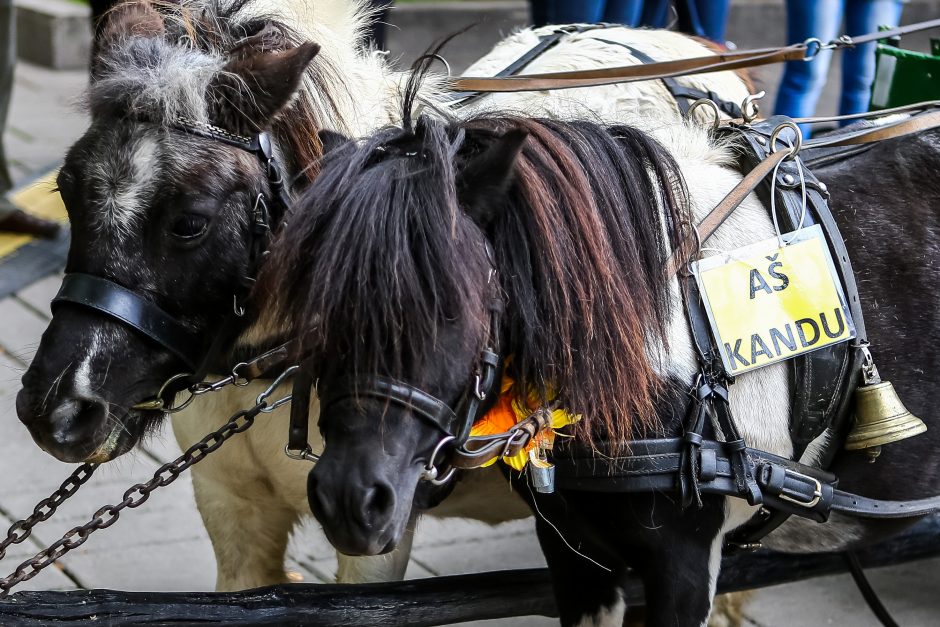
508, 411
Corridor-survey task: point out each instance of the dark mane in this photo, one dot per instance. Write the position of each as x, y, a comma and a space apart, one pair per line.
380, 253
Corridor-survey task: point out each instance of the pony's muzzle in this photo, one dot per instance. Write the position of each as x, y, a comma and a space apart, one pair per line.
70, 429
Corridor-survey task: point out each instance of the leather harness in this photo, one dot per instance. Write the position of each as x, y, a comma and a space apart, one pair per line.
823, 380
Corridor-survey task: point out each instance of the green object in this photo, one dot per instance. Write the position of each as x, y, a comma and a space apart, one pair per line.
905, 76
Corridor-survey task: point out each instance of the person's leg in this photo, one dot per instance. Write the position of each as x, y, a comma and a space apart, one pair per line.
7, 61
656, 13
13, 219
713, 16
571, 11
803, 81
626, 12
858, 63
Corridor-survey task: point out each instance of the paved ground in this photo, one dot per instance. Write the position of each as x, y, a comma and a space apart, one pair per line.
162, 546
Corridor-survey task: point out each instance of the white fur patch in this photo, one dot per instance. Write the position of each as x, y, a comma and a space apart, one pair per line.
81, 382
606, 617
125, 184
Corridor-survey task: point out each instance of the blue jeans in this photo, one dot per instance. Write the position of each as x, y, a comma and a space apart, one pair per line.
803, 81
586, 11
707, 17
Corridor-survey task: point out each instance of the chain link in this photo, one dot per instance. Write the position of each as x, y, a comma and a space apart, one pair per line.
135, 496
21, 529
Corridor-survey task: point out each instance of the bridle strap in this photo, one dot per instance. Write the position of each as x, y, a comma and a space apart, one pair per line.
430, 409
133, 310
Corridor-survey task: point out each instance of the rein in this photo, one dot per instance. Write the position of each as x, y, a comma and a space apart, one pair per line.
150, 320
804, 51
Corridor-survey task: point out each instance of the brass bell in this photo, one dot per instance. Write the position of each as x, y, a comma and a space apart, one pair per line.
880, 416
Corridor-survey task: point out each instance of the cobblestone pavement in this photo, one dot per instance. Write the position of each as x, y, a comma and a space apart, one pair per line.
163, 546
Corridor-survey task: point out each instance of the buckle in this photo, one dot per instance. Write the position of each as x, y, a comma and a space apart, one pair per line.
817, 490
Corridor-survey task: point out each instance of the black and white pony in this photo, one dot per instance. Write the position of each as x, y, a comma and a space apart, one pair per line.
390, 265
163, 213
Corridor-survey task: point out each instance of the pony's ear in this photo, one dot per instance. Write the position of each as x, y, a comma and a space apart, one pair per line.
123, 22
485, 177
331, 140
254, 86
130, 19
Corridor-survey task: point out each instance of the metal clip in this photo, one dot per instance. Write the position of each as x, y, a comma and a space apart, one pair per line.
263, 397
541, 472
304, 454
749, 108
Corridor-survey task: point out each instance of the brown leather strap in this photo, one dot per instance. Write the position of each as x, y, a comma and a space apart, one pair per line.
728, 204
629, 73
908, 126
668, 69
716, 217
887, 34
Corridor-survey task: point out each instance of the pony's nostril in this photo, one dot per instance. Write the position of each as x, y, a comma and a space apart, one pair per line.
67, 412
320, 504
75, 420
379, 501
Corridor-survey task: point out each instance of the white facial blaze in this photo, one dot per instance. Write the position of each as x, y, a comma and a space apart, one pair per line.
82, 381
125, 182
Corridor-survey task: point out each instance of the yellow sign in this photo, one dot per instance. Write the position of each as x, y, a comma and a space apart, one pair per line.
768, 302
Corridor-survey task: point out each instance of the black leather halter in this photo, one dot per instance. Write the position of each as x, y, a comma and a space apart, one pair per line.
454, 423
146, 317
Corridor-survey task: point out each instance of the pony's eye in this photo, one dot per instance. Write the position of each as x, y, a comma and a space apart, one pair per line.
190, 226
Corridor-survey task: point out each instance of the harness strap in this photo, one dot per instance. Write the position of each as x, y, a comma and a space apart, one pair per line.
544, 44
666, 69
783, 484
630, 73
682, 94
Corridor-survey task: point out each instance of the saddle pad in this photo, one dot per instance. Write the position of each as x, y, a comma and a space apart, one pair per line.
25, 259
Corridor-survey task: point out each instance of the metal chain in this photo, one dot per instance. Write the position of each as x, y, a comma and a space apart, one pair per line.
138, 494
21, 529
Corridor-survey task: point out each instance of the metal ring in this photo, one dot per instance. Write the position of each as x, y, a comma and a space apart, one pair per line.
705, 102
442, 60
749, 108
176, 408
775, 134
429, 473
812, 52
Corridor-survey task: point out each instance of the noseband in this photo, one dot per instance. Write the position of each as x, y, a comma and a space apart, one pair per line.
148, 319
